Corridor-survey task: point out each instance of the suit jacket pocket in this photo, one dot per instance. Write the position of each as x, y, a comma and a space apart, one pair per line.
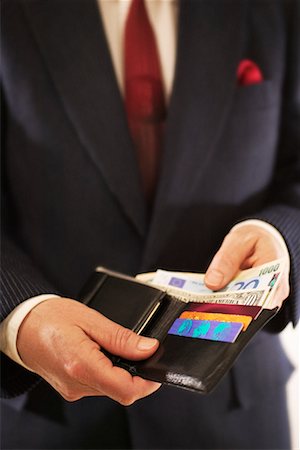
256, 96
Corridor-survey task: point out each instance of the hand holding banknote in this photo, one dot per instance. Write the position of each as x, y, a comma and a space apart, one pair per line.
252, 282
245, 247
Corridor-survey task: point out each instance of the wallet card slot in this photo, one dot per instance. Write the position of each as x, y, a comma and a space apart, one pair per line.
161, 322
195, 364
122, 299
92, 286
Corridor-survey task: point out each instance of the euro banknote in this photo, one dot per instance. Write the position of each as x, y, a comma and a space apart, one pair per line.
252, 287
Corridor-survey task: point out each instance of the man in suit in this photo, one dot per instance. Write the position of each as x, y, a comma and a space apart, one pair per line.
74, 199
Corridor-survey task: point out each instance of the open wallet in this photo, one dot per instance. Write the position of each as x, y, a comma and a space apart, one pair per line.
181, 360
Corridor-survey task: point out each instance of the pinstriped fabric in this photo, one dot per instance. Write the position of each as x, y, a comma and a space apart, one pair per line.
19, 279
15, 380
287, 221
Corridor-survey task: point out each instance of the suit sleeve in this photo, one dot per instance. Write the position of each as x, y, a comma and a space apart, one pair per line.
284, 203
20, 280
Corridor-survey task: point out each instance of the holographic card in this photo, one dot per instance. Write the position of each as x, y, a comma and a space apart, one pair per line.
206, 329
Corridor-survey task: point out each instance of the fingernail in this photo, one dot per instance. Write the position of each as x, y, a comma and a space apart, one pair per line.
145, 343
214, 277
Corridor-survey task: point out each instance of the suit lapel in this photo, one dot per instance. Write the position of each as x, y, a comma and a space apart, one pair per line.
209, 49
71, 38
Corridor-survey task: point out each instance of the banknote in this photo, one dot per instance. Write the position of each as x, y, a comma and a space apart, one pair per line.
262, 277
248, 298
253, 287
145, 277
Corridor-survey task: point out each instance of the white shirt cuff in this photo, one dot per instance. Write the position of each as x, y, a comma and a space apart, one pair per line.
271, 229
9, 328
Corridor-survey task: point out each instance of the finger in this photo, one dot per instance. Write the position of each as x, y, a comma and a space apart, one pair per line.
229, 259
94, 374
68, 358
121, 386
119, 340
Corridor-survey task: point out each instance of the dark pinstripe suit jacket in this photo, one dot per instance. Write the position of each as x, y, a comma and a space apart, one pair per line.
73, 200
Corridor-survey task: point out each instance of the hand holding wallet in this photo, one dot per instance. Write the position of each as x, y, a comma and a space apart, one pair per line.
187, 362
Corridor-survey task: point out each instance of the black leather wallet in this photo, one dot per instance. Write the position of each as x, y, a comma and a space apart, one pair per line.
185, 362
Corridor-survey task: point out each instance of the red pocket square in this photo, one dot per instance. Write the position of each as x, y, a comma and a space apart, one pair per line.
248, 73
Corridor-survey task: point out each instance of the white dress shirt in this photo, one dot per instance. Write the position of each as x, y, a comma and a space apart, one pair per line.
163, 15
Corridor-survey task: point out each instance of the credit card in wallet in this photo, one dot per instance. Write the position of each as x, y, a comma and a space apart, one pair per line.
243, 310
195, 315
206, 329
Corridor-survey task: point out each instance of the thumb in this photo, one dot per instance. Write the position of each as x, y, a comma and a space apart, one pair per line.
228, 260
121, 341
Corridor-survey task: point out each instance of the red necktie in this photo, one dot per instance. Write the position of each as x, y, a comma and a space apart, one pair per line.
144, 96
